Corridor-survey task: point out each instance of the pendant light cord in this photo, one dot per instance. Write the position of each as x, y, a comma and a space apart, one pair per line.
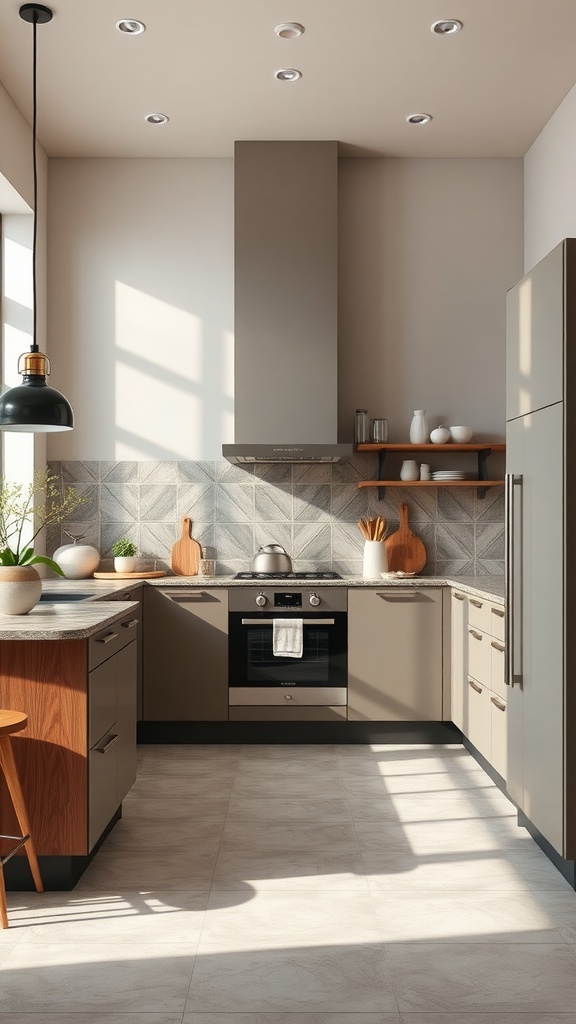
34, 345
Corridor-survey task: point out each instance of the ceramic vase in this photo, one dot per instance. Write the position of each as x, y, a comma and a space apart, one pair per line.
419, 427
375, 559
409, 470
20, 589
126, 563
77, 561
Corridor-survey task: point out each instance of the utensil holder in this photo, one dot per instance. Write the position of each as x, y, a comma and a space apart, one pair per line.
375, 559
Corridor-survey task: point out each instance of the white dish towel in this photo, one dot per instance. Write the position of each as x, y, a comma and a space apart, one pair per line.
288, 638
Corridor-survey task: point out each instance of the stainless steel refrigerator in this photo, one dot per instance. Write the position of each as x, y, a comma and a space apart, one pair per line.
540, 564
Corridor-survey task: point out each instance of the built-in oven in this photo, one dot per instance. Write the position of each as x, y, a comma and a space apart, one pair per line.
259, 676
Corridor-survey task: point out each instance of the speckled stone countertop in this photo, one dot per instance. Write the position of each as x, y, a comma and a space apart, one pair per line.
81, 619
75, 621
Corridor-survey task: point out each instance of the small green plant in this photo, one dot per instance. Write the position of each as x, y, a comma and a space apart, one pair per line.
40, 503
123, 548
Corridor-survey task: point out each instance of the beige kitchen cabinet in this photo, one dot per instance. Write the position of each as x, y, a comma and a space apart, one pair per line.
394, 654
112, 693
458, 655
134, 595
185, 654
479, 693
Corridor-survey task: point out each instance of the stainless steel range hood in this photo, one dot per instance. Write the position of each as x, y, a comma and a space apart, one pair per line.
285, 306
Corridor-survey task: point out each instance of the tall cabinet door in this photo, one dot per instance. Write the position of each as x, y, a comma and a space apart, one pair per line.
536, 709
535, 337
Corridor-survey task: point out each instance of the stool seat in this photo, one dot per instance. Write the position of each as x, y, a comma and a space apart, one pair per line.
10, 722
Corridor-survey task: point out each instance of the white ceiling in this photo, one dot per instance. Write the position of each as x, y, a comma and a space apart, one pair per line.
366, 64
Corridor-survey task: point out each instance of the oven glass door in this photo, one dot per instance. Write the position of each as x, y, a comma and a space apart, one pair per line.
253, 662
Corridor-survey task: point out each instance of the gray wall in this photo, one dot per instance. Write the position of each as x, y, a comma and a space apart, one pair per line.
428, 249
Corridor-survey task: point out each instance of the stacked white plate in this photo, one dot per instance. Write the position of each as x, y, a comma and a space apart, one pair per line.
449, 474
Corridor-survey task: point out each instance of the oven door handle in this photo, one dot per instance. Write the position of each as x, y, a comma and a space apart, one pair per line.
305, 622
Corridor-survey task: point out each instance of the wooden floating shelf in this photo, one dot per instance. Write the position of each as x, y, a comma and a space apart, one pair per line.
482, 449
450, 447
430, 483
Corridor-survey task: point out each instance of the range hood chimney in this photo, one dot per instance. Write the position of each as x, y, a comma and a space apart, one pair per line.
285, 305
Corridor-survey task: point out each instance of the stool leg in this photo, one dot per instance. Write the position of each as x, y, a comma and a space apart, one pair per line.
8, 765
3, 907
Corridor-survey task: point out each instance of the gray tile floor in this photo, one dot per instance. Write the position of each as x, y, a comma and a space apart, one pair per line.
301, 885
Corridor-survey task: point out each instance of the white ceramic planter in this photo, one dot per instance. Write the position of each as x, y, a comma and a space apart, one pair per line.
20, 589
77, 561
126, 564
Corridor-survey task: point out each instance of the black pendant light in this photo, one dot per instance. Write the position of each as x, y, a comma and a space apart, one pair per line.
33, 406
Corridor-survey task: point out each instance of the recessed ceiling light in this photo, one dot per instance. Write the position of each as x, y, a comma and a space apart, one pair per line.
289, 30
419, 118
446, 27
157, 118
130, 26
288, 75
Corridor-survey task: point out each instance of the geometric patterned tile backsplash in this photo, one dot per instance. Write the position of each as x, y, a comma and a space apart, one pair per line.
312, 510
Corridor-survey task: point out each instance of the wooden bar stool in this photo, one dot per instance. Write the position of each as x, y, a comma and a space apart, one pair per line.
15, 721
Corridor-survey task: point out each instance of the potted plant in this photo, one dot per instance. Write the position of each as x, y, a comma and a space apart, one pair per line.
124, 552
36, 505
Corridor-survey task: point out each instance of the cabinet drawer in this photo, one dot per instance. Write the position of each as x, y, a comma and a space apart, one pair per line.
479, 656
498, 662
497, 626
480, 614
498, 712
102, 702
112, 639
102, 801
479, 716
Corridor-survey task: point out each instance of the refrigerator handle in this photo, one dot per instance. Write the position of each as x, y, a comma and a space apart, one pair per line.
513, 587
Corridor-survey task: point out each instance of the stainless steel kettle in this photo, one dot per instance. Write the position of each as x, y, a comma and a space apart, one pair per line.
271, 558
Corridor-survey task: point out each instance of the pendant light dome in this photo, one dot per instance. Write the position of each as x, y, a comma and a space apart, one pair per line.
33, 406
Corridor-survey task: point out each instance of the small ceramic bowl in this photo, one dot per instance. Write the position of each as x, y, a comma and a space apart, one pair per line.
461, 435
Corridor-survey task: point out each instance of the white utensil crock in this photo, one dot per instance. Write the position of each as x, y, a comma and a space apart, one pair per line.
375, 559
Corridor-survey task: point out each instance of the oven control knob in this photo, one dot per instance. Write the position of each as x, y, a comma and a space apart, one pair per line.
314, 600
288, 696
261, 600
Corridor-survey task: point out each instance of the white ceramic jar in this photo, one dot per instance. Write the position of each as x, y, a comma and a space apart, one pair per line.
409, 470
419, 427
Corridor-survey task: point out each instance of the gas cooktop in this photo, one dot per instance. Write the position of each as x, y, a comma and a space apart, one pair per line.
287, 576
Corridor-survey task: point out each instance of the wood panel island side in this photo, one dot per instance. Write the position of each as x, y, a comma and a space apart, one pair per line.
73, 671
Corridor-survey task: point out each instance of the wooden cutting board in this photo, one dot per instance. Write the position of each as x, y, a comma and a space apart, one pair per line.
405, 551
186, 552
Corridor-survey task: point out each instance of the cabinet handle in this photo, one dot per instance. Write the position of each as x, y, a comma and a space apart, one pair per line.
498, 704
404, 595
513, 582
477, 636
106, 639
188, 595
129, 623
497, 646
477, 604
305, 622
475, 686
107, 746
499, 612
459, 597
